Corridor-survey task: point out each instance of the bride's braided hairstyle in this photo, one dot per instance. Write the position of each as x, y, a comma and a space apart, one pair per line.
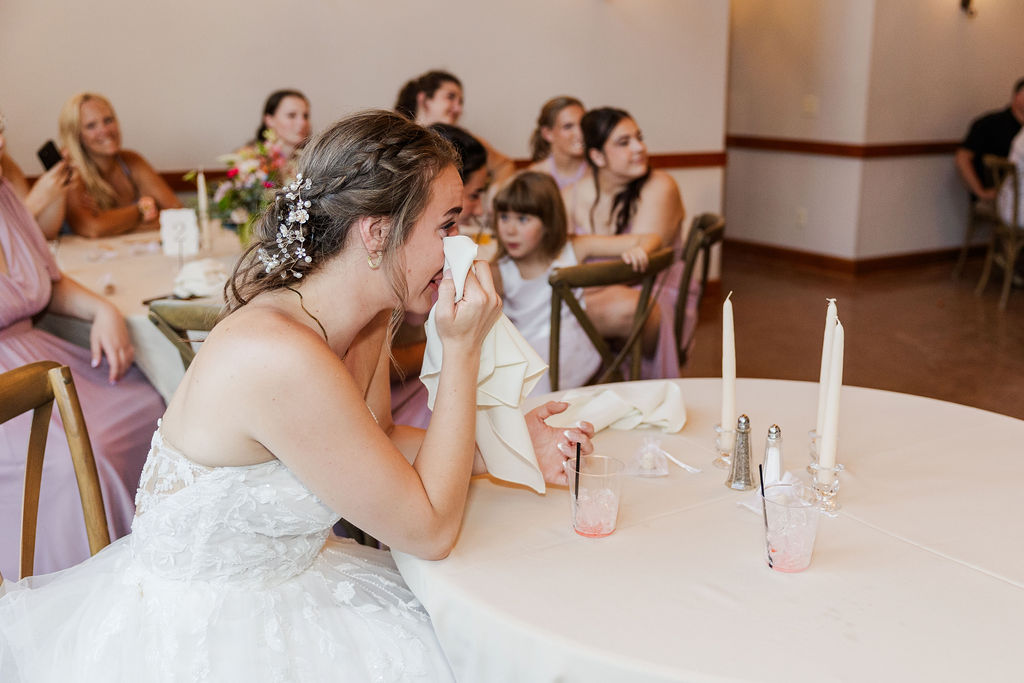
372, 164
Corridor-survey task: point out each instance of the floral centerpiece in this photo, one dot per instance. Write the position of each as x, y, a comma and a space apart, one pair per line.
254, 172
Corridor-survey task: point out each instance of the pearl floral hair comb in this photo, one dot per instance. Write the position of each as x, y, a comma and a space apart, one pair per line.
291, 242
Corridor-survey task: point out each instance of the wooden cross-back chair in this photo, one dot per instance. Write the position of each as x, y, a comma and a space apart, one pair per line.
564, 280
1007, 237
36, 387
176, 318
707, 230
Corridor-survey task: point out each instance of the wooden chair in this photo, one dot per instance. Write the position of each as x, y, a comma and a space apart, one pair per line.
1007, 237
564, 280
707, 230
175, 318
980, 213
35, 387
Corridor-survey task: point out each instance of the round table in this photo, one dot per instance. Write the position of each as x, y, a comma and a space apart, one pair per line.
138, 270
920, 577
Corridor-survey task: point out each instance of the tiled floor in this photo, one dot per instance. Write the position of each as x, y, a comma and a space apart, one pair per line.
914, 330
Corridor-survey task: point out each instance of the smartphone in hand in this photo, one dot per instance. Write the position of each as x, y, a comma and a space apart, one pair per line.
49, 155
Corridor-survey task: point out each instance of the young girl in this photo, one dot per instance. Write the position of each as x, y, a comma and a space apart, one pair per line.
530, 222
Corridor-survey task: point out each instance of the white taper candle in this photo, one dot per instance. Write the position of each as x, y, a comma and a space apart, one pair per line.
203, 210
728, 373
830, 435
831, 315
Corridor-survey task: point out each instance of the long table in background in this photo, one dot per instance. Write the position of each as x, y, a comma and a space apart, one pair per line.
136, 270
919, 578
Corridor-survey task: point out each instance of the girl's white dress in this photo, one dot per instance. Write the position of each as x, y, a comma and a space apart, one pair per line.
527, 303
229, 574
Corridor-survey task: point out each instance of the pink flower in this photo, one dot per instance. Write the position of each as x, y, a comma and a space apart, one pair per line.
267, 184
232, 172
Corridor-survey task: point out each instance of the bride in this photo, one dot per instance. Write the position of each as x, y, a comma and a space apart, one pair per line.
280, 426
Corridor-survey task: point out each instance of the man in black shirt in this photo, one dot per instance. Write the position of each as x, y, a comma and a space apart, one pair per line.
992, 133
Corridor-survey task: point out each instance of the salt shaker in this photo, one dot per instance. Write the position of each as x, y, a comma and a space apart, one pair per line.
773, 456
739, 473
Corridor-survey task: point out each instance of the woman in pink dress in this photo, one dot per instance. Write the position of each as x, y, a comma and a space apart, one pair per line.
557, 142
628, 196
120, 406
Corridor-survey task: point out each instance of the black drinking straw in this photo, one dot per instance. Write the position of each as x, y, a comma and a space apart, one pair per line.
577, 470
764, 511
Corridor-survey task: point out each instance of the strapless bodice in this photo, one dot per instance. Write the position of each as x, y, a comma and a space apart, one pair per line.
254, 524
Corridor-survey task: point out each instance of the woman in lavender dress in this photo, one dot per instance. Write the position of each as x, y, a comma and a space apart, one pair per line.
628, 196
120, 406
557, 142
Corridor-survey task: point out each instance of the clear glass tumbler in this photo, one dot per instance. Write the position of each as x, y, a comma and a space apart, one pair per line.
791, 524
594, 492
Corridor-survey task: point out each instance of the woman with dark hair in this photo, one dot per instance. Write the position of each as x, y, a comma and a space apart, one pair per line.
627, 195
557, 141
286, 119
281, 426
436, 97
474, 173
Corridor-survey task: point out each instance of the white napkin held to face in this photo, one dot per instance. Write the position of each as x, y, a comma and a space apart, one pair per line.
509, 369
625, 406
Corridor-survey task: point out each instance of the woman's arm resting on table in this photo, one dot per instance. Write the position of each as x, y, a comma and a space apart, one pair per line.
86, 219
108, 336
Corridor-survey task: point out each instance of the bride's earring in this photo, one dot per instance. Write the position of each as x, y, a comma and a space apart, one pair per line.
374, 259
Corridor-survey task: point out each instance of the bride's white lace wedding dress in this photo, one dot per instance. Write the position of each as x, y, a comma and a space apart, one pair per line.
229, 574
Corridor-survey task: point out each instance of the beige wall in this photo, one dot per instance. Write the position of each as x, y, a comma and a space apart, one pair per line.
783, 52
883, 72
188, 77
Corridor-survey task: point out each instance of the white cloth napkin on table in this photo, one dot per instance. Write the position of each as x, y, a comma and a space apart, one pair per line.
205, 277
509, 369
625, 406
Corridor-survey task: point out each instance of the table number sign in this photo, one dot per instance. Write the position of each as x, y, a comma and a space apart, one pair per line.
179, 232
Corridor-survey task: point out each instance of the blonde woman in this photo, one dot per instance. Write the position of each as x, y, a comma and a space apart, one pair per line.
557, 141
117, 191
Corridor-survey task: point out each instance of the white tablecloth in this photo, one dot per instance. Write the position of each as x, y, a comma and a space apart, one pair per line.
921, 577
138, 270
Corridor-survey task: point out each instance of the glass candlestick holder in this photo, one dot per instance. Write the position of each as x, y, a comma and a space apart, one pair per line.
826, 487
725, 442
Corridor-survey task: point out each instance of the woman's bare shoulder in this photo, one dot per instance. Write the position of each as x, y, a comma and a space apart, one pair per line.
660, 183
267, 340
135, 160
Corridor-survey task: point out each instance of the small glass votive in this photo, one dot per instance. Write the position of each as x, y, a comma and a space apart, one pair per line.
790, 526
826, 487
594, 494
725, 442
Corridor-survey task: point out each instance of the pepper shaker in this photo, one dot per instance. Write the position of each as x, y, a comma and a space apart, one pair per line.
739, 472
